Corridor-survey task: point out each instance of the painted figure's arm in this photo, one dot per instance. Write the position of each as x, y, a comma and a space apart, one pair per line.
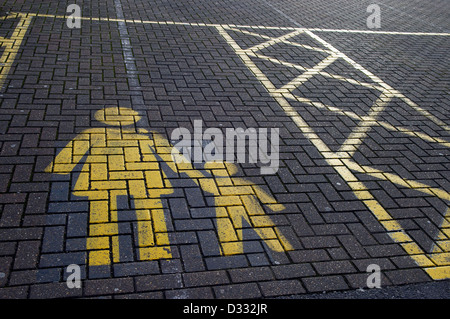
70, 155
267, 199
174, 159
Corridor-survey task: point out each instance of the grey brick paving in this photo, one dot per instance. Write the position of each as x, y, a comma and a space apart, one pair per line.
183, 71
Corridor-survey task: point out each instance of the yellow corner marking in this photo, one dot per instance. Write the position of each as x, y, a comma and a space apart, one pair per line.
439, 273
441, 259
400, 237
11, 45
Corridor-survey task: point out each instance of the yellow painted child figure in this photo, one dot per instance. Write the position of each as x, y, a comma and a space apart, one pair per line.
238, 200
119, 161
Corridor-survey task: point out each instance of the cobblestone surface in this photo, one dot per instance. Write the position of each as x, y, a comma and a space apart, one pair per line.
364, 164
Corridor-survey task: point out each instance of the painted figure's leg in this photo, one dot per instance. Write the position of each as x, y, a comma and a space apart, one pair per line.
262, 224
230, 234
229, 241
153, 239
99, 231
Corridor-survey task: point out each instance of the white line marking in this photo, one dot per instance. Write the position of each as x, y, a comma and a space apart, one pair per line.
199, 24
127, 49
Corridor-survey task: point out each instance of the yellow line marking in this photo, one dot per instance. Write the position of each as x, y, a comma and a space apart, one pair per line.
381, 83
325, 74
397, 179
355, 138
285, 41
273, 41
380, 32
341, 160
11, 45
444, 243
367, 118
309, 73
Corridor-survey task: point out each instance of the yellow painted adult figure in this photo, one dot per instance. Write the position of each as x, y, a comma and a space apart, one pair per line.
119, 160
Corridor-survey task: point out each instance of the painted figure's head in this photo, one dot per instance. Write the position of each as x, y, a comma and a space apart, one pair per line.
117, 116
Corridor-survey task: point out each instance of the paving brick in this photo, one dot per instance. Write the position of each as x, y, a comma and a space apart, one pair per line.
136, 268
27, 254
293, 271
144, 295
319, 242
62, 259
53, 240
11, 215
258, 259
300, 225
208, 278
352, 246
171, 266
158, 282
334, 267
77, 225
250, 274
59, 191
175, 73
209, 243
12, 198
193, 224
53, 290
191, 293
281, 288
406, 276
179, 208
27, 277
7, 248
14, 292
309, 255
36, 203
192, 258
5, 263
22, 173
225, 262
108, 286
237, 291
324, 283
385, 250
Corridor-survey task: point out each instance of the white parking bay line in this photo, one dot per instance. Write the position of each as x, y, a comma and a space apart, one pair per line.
129, 59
